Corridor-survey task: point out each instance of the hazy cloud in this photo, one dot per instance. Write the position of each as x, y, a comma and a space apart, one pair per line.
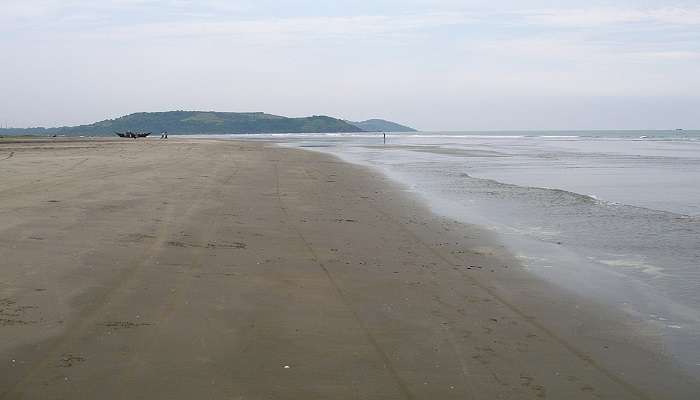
72, 61
596, 17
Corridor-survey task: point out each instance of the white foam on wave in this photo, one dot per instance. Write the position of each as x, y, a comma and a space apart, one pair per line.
439, 136
639, 265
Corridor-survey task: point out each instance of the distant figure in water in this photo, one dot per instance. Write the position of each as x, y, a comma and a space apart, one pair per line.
162, 135
166, 134
384, 133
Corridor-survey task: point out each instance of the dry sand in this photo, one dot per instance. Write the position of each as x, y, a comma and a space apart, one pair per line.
224, 270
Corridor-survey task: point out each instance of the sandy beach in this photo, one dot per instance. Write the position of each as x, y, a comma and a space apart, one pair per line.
210, 269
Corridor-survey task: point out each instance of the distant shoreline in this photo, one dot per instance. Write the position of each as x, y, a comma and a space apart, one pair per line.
211, 122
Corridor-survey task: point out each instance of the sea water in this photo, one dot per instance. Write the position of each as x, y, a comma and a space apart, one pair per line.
614, 216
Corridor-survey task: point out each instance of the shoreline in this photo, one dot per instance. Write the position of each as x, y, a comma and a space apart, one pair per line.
574, 269
651, 335
278, 258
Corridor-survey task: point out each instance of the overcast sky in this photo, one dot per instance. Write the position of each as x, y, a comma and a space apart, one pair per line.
435, 65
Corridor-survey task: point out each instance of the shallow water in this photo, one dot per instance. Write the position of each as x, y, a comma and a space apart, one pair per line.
610, 215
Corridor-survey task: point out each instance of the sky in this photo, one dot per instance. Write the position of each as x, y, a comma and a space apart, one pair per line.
434, 65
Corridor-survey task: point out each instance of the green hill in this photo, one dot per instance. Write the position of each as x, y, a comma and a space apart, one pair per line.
198, 122
380, 125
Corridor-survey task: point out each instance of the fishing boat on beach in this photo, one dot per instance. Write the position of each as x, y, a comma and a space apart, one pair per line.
132, 135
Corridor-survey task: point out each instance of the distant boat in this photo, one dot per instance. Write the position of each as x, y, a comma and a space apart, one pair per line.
132, 135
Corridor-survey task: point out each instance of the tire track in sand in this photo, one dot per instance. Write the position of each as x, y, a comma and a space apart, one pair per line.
91, 315
629, 388
403, 388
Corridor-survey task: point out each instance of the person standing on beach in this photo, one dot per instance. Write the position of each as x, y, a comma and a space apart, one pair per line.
384, 133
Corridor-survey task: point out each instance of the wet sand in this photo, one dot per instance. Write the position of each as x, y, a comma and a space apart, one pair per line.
238, 270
